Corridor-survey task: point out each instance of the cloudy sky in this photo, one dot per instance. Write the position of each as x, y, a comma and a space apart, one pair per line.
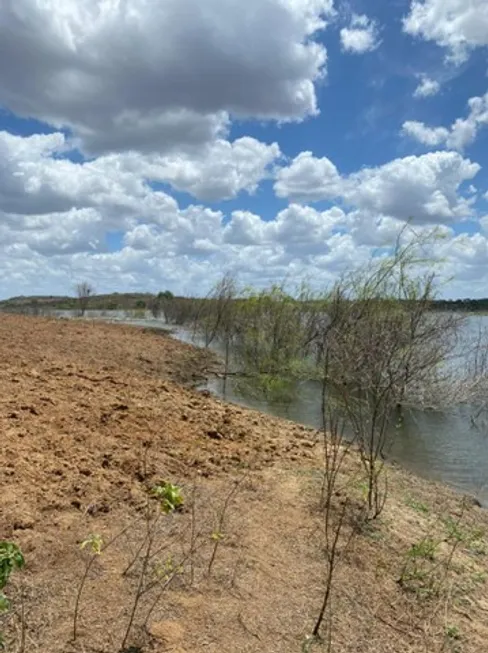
155, 144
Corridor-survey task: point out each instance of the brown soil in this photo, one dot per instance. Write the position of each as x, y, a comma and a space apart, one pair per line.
92, 416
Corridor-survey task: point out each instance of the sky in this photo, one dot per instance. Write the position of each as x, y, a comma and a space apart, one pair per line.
148, 145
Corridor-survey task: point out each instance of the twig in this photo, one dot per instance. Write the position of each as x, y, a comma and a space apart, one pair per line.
218, 533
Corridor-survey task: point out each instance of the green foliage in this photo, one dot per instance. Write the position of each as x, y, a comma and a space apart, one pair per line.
453, 632
169, 496
419, 571
11, 559
166, 569
418, 506
269, 333
424, 549
472, 538
94, 543
428, 561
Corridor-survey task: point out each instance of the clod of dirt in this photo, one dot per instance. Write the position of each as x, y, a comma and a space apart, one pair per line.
168, 632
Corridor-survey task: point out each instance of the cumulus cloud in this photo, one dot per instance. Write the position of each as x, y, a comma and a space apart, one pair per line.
425, 188
31, 180
219, 171
463, 131
466, 257
422, 187
362, 35
431, 136
34, 180
427, 87
55, 214
301, 229
132, 74
308, 179
458, 25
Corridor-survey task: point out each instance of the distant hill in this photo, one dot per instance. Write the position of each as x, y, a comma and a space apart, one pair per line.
112, 301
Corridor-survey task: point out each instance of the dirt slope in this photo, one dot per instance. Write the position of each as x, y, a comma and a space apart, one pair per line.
91, 416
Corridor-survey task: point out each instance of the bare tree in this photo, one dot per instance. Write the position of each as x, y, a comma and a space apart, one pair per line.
84, 290
341, 516
387, 350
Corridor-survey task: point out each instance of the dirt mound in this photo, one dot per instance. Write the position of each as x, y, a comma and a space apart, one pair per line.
92, 417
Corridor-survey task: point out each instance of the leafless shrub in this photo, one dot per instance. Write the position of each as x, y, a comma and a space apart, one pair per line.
84, 290
385, 349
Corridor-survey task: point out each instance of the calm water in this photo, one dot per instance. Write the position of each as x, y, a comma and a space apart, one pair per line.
443, 446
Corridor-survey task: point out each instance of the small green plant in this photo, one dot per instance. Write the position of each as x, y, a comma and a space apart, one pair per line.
94, 544
418, 571
479, 577
455, 531
453, 632
170, 499
478, 548
418, 506
11, 559
165, 570
169, 495
424, 549
473, 539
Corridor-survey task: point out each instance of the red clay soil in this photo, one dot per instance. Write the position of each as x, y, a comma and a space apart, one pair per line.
92, 415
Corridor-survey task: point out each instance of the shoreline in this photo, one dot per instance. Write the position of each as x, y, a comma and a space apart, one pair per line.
83, 402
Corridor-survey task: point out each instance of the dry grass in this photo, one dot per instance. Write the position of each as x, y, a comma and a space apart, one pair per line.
79, 404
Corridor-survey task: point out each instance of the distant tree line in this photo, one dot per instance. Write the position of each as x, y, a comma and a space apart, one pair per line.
465, 305
175, 309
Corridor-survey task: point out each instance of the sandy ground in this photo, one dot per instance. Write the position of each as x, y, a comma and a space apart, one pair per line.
92, 415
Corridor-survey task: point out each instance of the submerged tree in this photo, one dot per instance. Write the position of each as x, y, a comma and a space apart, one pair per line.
387, 349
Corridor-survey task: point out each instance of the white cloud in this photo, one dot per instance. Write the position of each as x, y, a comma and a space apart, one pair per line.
220, 171
466, 257
308, 179
374, 230
458, 25
431, 136
427, 87
425, 188
33, 181
55, 214
463, 131
132, 74
299, 228
361, 36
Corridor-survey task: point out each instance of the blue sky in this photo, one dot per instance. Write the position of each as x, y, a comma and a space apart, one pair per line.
145, 147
